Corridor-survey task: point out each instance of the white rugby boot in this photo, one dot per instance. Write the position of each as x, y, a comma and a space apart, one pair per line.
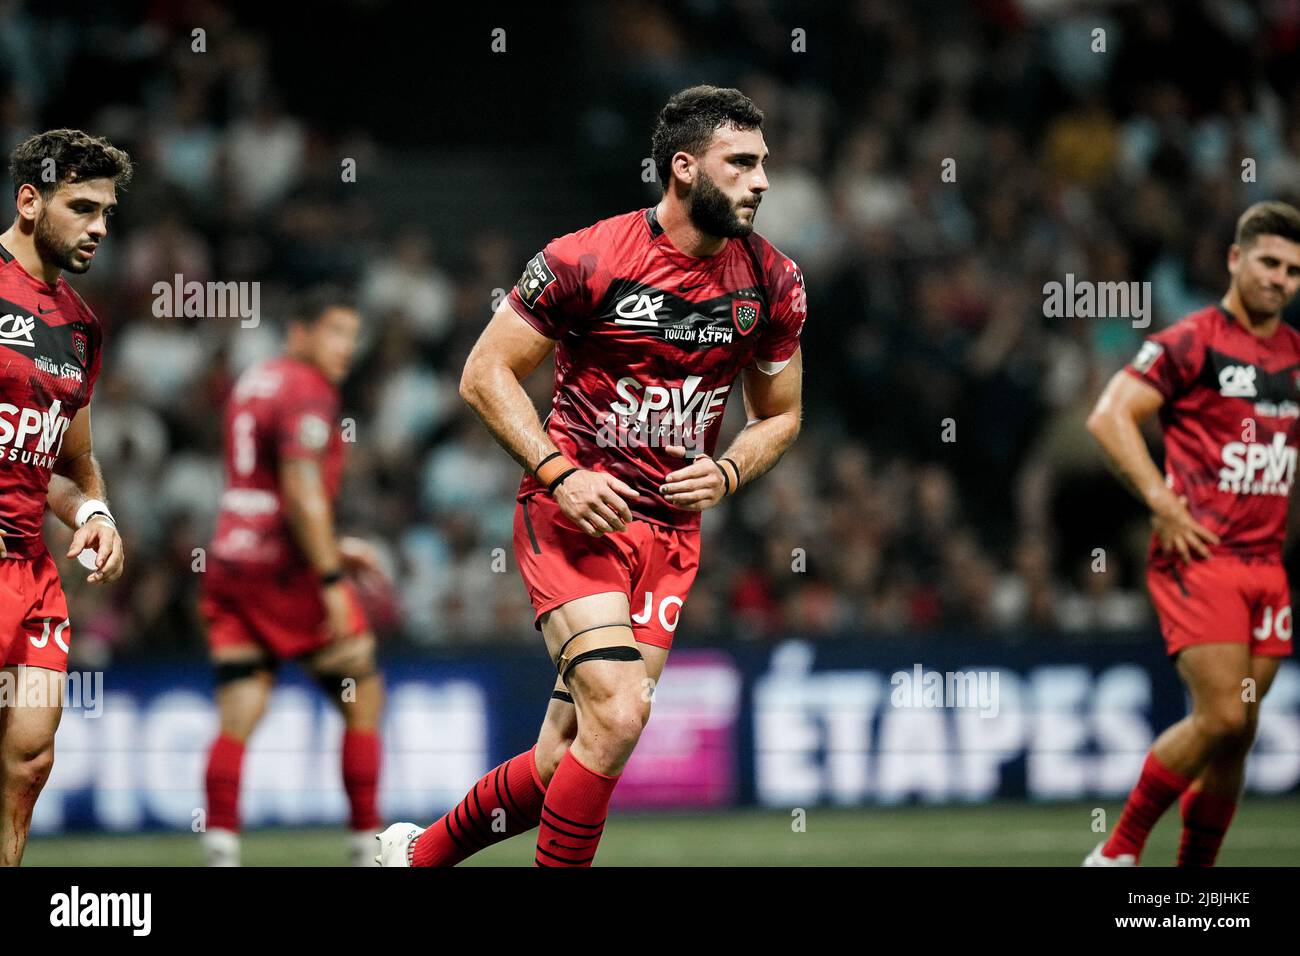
396, 844
1097, 858
220, 847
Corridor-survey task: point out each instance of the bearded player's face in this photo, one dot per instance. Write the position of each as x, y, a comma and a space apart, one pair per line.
729, 184
71, 223
1267, 274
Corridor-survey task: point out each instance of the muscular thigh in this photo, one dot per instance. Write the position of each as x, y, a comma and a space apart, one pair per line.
1214, 673
29, 720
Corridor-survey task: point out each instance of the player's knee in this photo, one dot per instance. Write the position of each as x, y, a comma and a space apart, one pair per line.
1241, 742
1223, 726
620, 718
26, 772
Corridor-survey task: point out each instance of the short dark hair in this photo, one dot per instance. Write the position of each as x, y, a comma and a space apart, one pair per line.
1271, 218
689, 119
77, 156
309, 305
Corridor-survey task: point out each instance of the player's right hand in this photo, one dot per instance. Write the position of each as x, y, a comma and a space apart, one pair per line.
338, 611
1178, 531
593, 500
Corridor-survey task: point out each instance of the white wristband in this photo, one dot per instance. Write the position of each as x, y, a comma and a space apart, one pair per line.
92, 506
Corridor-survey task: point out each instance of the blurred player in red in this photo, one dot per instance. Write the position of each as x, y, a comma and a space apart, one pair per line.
1226, 383
652, 315
51, 347
277, 582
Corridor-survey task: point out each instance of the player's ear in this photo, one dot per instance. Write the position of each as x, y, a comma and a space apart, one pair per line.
28, 202
683, 165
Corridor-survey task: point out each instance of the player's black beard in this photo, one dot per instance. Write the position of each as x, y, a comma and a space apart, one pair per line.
713, 213
48, 248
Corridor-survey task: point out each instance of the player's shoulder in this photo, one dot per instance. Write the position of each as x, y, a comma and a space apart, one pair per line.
65, 293
302, 379
768, 253
281, 379
604, 235
1201, 325
11, 273
779, 270
1290, 337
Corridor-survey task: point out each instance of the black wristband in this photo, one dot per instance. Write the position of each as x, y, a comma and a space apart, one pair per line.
550, 489
735, 466
330, 578
726, 482
554, 454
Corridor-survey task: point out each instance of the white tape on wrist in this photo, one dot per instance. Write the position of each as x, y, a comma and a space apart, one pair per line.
91, 507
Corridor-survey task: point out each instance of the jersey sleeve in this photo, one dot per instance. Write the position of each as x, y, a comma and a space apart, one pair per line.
1170, 360
302, 429
789, 309
554, 289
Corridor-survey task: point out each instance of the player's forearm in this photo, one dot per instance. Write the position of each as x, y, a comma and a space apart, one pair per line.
760, 445
1126, 455
74, 482
308, 514
500, 402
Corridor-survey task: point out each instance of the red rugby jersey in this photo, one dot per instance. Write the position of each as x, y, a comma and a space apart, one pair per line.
650, 342
281, 408
1231, 423
50, 357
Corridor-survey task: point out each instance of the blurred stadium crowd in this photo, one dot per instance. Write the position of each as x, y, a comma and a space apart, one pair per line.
925, 296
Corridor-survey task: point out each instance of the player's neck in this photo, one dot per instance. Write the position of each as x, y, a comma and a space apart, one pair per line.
23, 248
683, 234
1261, 325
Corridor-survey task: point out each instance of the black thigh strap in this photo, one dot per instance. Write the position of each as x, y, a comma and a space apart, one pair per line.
229, 671
597, 627
619, 652
332, 683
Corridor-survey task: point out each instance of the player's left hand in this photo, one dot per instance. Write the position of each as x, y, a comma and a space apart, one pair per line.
361, 559
99, 535
697, 486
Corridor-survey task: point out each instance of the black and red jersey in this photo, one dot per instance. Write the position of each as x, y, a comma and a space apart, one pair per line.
1231, 421
649, 344
279, 409
50, 355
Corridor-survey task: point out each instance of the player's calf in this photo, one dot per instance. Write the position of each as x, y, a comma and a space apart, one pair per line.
349, 675
24, 777
244, 678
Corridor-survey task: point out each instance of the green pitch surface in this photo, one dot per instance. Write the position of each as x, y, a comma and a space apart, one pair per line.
1266, 832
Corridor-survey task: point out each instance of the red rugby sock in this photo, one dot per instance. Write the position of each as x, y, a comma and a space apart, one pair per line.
506, 802
361, 777
225, 763
573, 816
1205, 821
1156, 789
